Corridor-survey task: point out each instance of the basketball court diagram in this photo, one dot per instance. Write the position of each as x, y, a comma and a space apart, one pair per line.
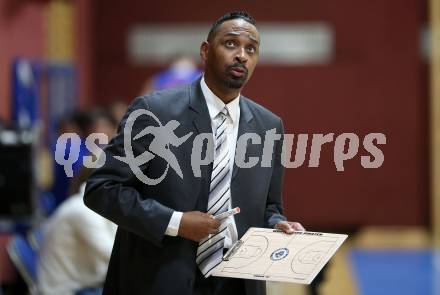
266, 254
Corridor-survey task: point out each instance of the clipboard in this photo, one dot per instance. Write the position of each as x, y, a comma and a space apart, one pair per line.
272, 255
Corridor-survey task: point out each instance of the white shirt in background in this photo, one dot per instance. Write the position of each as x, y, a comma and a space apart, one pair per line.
76, 248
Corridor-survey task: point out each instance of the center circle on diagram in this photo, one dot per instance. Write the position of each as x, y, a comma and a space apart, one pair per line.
279, 254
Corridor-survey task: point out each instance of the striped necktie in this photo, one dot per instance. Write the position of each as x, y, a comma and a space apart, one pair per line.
210, 250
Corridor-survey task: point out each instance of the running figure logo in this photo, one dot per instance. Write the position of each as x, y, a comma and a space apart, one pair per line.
164, 136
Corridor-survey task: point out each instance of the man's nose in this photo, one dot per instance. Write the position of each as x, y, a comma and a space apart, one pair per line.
241, 56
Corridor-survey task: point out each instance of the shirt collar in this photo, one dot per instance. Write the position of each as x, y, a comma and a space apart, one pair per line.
215, 104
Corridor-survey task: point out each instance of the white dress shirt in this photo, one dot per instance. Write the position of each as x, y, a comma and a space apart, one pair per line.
215, 105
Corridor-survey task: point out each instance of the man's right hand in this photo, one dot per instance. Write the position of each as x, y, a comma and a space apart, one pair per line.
196, 225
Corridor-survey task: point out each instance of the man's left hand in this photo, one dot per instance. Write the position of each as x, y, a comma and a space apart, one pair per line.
289, 227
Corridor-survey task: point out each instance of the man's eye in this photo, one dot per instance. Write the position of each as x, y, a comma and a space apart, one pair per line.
251, 49
230, 43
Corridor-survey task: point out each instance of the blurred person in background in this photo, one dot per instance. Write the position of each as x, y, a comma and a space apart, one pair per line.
99, 120
182, 70
77, 242
77, 123
103, 121
117, 110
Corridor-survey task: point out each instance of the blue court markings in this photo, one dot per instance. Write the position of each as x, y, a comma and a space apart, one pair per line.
389, 272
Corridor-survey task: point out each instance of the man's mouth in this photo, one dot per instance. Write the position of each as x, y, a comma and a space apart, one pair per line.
238, 71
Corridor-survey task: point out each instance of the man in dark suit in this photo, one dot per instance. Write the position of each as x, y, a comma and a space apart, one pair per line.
167, 240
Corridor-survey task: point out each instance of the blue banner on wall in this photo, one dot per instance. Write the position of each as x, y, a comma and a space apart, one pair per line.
25, 92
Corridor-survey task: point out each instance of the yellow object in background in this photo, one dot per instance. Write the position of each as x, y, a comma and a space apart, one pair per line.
60, 30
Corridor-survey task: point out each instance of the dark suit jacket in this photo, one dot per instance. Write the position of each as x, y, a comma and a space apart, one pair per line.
145, 260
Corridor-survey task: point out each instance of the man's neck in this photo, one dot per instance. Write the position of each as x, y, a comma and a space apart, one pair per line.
226, 95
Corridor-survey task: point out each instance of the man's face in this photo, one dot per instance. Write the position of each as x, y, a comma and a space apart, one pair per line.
232, 54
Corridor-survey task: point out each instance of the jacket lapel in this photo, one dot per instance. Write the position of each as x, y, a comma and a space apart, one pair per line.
200, 115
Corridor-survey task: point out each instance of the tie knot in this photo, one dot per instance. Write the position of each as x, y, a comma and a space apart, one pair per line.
222, 117
224, 112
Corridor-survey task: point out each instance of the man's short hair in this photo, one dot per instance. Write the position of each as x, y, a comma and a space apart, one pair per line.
229, 16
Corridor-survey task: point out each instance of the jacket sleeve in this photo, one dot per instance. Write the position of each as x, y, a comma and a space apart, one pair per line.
274, 204
113, 190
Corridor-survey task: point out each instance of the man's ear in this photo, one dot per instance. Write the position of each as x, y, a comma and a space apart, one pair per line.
204, 48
